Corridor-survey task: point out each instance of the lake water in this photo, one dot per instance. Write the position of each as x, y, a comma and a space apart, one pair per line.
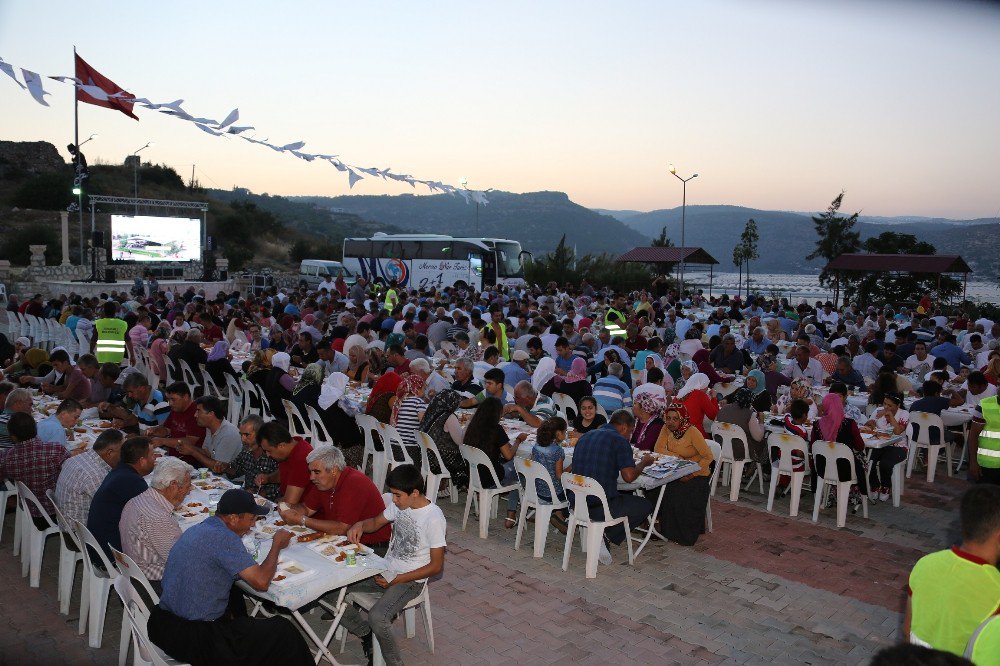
807, 286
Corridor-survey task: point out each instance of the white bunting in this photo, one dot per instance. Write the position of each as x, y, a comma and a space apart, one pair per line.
8, 69
34, 83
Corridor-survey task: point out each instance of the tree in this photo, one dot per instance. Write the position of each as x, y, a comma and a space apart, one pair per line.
748, 243
662, 241
836, 237
890, 287
738, 260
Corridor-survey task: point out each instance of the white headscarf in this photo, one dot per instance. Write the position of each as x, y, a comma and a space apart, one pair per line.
697, 381
283, 361
333, 389
545, 371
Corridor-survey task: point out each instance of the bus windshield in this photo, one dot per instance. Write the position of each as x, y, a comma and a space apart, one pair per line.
509, 261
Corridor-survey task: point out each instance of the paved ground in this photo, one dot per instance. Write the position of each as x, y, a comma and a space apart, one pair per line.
762, 588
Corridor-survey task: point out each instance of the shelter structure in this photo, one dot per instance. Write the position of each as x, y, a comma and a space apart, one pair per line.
935, 264
672, 256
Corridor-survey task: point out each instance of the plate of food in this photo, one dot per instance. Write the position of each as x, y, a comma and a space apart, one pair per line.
290, 571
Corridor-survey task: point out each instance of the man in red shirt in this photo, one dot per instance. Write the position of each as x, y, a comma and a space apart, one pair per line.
181, 426
339, 497
291, 453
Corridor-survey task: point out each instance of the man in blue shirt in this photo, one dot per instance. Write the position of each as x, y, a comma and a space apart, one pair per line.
202, 617
53, 428
121, 484
951, 352
602, 455
611, 392
516, 370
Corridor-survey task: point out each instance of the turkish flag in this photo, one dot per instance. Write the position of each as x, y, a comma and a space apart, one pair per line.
91, 77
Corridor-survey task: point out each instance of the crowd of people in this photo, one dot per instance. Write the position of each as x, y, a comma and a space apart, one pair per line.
640, 373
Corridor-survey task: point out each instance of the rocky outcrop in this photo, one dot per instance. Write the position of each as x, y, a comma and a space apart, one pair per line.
19, 159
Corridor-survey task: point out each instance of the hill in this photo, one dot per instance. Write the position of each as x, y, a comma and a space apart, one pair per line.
786, 238
537, 219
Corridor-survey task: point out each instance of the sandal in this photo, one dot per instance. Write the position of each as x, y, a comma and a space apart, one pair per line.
509, 522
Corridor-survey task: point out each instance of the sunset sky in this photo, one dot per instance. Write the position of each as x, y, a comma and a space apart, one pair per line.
777, 104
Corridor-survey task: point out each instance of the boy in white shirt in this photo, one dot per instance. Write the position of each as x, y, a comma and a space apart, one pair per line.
416, 553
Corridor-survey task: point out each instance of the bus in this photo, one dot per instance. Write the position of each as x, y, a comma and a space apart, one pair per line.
418, 261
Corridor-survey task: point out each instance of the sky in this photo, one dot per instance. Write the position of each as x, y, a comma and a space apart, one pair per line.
776, 104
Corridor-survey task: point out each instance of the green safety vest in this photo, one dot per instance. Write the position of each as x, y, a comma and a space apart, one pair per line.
110, 340
984, 646
951, 596
988, 455
501, 340
620, 323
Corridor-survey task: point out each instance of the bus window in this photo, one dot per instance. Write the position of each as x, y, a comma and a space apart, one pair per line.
476, 264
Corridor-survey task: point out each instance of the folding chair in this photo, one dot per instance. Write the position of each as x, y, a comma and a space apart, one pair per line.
919, 433
430, 449
32, 538
487, 499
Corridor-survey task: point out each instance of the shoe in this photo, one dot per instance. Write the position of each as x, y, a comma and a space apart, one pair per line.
884, 493
557, 522
604, 556
366, 645
829, 501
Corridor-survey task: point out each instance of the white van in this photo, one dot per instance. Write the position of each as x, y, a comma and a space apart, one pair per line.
314, 271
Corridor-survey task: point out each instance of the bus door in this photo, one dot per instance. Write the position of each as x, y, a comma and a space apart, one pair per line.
489, 272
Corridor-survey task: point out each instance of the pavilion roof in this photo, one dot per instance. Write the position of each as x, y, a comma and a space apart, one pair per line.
900, 263
668, 255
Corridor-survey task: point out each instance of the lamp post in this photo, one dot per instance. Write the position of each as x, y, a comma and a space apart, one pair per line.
684, 182
135, 173
464, 182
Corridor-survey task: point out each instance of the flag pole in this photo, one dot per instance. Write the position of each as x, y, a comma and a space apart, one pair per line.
76, 142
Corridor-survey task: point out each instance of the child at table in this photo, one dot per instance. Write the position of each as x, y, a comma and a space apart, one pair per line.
548, 452
796, 422
416, 553
890, 417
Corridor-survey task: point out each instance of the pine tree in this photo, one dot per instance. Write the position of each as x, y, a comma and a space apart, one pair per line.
748, 243
836, 237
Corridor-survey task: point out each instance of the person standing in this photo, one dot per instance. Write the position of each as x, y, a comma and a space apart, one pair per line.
984, 442
109, 345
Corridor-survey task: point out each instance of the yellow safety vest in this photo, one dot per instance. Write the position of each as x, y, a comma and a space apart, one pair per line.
951, 596
110, 340
390, 296
988, 455
501, 341
620, 323
983, 648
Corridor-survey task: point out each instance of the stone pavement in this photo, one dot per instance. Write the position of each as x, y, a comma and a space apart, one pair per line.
762, 588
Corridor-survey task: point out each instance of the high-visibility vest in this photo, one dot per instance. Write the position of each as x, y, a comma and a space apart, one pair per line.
984, 646
619, 323
390, 296
110, 340
951, 596
501, 339
988, 455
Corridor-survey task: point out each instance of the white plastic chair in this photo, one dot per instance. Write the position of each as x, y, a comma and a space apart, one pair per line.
369, 426
528, 472
188, 377
486, 499
583, 488
919, 433
211, 388
32, 538
716, 450
786, 443
173, 371
320, 435
296, 424
603, 412
68, 558
829, 453
395, 449
234, 406
8, 490
96, 587
566, 405
433, 481
131, 575
726, 434
83, 337
136, 613
367, 600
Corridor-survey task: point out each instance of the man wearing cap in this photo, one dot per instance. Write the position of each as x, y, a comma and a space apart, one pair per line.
517, 369
202, 617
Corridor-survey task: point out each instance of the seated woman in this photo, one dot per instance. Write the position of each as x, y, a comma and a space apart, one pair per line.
757, 385
278, 384
739, 411
834, 426
260, 366
768, 364
486, 434
893, 418
383, 396
648, 411
357, 370
574, 384
159, 346
686, 370
443, 427
682, 511
800, 389
407, 412
547, 451
698, 401
218, 365
588, 419
32, 362
705, 368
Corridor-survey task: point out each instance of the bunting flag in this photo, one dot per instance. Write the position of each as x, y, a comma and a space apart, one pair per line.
92, 87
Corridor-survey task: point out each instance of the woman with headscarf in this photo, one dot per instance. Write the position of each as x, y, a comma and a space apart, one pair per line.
357, 369
383, 396
544, 371
407, 412
682, 511
260, 365
800, 389
34, 362
738, 410
757, 385
158, 349
687, 369
834, 426
218, 364
335, 411
574, 384
442, 425
698, 401
278, 384
705, 367
648, 410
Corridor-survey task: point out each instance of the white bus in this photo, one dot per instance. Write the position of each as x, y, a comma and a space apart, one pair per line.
419, 261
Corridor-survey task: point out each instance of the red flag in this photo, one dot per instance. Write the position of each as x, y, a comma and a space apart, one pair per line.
91, 77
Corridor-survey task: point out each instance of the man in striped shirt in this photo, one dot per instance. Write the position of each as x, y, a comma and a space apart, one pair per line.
150, 410
148, 527
83, 474
611, 392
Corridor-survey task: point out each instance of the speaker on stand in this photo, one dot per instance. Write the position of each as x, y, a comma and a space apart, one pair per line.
96, 244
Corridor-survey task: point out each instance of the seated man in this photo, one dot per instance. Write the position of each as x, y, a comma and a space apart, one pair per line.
83, 474
251, 461
18, 400
726, 357
222, 439
340, 496
57, 429
416, 553
34, 463
148, 526
121, 484
149, 411
493, 387
531, 406
611, 392
846, 374
103, 381
202, 617
181, 428
65, 381
951, 592
602, 455
464, 381
290, 453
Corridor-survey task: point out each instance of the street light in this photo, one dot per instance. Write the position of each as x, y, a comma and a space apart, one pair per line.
684, 182
135, 173
89, 138
464, 182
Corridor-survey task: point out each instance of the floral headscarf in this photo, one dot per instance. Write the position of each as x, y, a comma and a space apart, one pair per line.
311, 376
678, 406
577, 373
673, 350
651, 403
741, 397
411, 385
802, 384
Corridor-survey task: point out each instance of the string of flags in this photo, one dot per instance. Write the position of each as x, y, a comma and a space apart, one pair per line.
92, 87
